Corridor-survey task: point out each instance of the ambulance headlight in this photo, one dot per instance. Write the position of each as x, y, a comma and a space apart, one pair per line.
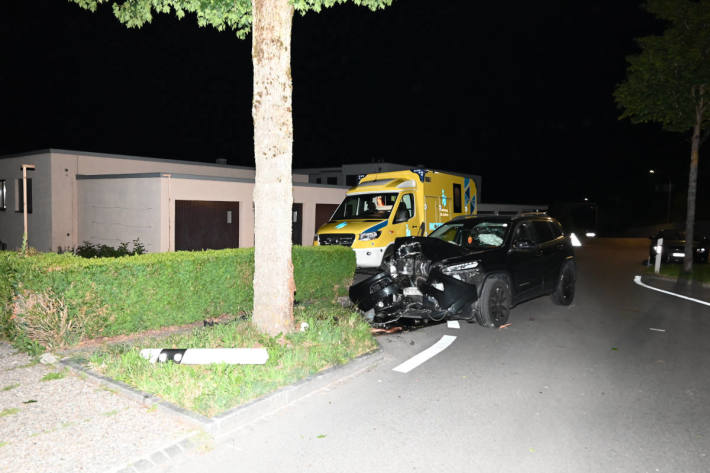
370, 235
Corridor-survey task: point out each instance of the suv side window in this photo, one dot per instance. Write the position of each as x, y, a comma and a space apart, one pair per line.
556, 229
543, 231
524, 231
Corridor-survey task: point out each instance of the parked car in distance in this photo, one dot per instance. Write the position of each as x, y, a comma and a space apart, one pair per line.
473, 268
674, 247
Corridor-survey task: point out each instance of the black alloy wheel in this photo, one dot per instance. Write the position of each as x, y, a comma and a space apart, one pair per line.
495, 303
564, 291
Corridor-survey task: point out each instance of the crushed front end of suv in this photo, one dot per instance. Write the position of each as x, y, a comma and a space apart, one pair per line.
471, 268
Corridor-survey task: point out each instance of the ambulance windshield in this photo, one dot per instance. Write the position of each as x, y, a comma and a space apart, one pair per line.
374, 206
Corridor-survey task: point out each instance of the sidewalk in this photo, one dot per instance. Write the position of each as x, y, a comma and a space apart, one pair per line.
55, 420
52, 421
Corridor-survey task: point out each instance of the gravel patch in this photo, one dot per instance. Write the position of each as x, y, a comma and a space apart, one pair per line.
71, 425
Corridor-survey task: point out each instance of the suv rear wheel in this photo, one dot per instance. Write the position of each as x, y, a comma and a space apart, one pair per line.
494, 304
564, 290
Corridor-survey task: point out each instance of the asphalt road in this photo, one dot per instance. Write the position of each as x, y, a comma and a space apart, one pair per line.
585, 388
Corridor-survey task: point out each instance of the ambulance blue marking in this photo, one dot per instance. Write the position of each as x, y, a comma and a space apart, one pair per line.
374, 228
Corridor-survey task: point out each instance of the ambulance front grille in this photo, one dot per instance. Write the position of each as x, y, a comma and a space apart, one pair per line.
344, 239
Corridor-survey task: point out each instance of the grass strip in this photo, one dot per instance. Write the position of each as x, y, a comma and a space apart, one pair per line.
700, 272
335, 335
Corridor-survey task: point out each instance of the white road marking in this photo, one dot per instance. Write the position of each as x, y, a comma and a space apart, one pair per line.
453, 324
425, 355
637, 280
657, 329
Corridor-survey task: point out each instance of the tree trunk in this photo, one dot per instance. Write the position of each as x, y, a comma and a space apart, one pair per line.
273, 142
692, 186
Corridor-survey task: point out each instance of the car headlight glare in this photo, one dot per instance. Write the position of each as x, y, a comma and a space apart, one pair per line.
370, 235
701, 250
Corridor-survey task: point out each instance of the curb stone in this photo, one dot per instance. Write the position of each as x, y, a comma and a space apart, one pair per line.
226, 422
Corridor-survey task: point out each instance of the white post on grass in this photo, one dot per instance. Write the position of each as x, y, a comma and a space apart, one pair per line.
659, 250
25, 167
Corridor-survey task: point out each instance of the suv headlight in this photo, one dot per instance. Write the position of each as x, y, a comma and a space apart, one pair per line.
369, 235
465, 272
457, 268
700, 250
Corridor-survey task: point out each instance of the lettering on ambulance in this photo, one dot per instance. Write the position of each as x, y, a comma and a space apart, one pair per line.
443, 210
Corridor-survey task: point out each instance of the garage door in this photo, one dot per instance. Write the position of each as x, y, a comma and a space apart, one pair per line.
203, 225
323, 214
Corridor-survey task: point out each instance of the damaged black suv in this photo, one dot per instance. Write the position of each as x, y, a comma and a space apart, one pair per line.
471, 268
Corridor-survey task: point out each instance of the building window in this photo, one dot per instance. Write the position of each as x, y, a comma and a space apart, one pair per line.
3, 194
318, 180
457, 198
20, 207
351, 180
333, 180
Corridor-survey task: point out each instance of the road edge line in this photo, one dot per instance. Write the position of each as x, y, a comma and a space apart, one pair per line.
637, 280
425, 355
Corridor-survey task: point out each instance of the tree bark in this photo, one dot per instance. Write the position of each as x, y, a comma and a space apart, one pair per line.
273, 143
692, 187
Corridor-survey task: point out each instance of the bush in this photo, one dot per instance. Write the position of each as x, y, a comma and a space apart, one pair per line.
115, 296
90, 250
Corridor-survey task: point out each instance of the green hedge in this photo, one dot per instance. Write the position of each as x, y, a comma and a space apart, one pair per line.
135, 293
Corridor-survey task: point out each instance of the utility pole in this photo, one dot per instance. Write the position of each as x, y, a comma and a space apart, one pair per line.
25, 167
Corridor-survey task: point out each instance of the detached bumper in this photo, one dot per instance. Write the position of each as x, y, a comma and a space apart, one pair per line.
377, 292
382, 294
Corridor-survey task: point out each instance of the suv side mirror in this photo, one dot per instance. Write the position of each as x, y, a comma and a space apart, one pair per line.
523, 245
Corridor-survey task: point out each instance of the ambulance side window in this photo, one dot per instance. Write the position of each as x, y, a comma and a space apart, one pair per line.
457, 198
405, 210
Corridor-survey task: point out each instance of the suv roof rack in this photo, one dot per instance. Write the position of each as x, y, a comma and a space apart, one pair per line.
533, 213
514, 213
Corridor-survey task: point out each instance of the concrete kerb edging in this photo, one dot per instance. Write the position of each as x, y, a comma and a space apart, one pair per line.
643, 280
240, 416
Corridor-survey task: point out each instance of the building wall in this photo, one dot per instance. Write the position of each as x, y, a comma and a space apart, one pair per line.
309, 196
39, 222
121, 209
95, 163
67, 211
64, 203
191, 188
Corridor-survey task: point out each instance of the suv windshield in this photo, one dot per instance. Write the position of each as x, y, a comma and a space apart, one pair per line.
473, 233
672, 235
378, 205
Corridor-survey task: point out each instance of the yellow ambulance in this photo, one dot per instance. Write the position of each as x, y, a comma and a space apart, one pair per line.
387, 205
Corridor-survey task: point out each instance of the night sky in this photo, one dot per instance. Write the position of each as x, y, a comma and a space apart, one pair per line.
519, 92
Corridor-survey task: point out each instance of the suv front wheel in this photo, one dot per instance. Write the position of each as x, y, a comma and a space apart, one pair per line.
495, 303
564, 290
